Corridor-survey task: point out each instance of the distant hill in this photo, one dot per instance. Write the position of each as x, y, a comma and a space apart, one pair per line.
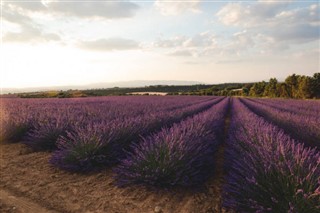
102, 85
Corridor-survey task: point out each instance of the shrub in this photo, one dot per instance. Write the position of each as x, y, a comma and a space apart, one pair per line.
44, 135
176, 156
85, 149
268, 171
14, 130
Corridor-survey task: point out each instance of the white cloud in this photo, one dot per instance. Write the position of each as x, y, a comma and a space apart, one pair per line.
86, 9
182, 53
205, 39
103, 9
197, 45
175, 41
279, 26
242, 41
109, 44
250, 15
28, 31
233, 14
25, 15
173, 8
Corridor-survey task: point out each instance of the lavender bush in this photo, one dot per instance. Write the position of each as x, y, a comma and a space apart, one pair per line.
45, 133
180, 155
302, 107
302, 127
20, 116
14, 125
84, 149
14, 131
114, 137
267, 170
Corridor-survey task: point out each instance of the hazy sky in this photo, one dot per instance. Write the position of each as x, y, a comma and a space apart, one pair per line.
46, 43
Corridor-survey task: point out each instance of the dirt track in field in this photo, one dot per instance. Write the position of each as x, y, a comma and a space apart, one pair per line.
28, 183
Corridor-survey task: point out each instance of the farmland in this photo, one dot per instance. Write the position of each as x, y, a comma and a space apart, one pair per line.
161, 154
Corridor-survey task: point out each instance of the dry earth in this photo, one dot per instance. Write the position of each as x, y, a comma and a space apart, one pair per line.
28, 183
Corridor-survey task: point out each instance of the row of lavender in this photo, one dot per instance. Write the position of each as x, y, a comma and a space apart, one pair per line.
301, 120
174, 144
180, 155
267, 170
96, 145
19, 116
304, 107
86, 132
23, 114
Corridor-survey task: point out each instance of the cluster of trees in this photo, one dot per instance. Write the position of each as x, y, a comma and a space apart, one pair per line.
217, 90
170, 89
294, 86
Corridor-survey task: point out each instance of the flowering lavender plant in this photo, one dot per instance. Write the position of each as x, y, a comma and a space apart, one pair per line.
302, 127
267, 170
14, 131
82, 150
44, 135
180, 155
109, 140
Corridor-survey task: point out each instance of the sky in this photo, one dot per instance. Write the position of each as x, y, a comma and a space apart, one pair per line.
58, 43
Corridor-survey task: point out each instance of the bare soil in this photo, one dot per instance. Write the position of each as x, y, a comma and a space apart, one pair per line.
28, 183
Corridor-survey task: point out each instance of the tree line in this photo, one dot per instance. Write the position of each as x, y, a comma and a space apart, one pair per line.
294, 86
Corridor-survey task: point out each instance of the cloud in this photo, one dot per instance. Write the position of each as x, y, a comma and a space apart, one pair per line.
109, 44
22, 14
29, 31
269, 25
204, 39
197, 45
239, 43
103, 9
30, 34
182, 53
298, 33
266, 14
175, 41
229, 61
85, 9
250, 15
173, 8
35, 5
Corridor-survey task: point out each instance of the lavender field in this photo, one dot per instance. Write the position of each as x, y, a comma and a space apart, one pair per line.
270, 147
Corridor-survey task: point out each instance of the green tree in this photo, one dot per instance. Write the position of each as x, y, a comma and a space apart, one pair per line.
316, 85
283, 90
292, 83
305, 87
257, 89
271, 88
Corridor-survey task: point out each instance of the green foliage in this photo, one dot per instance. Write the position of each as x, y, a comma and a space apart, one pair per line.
316, 85
294, 86
271, 88
257, 90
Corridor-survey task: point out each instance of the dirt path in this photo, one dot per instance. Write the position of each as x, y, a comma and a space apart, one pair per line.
28, 178
214, 186
219, 159
12, 203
